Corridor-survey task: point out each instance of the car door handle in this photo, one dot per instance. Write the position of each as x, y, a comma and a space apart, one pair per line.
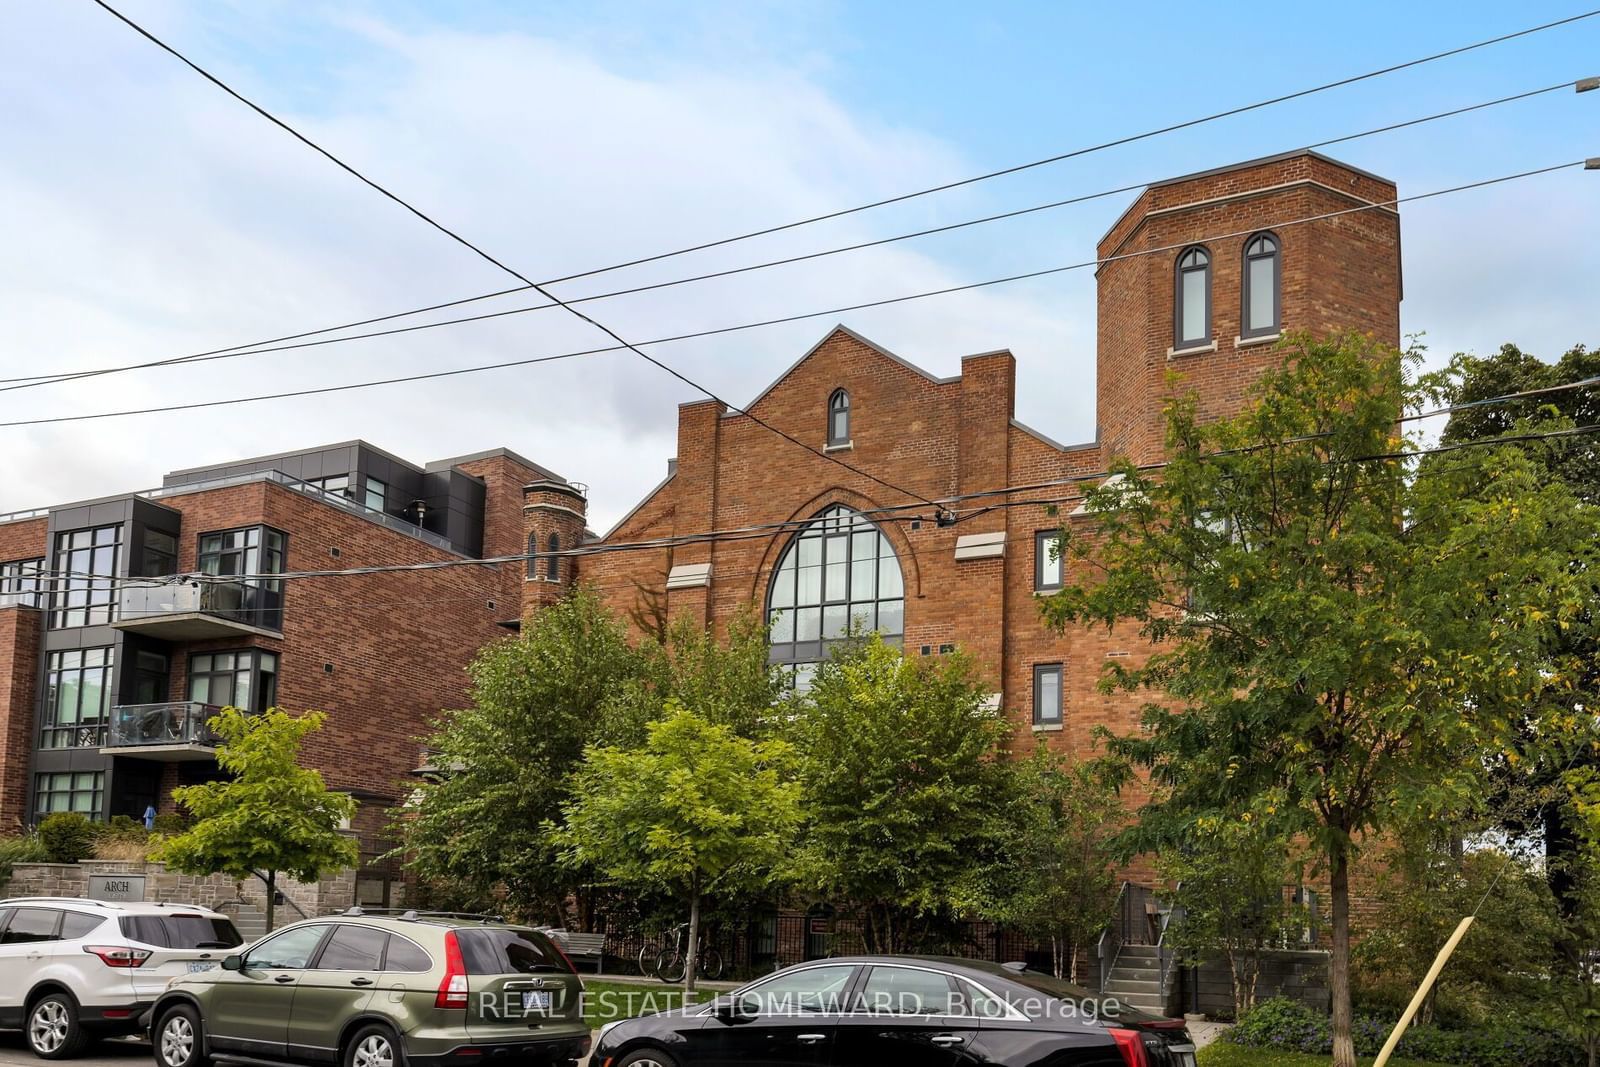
810, 1039
360, 981
284, 979
948, 1040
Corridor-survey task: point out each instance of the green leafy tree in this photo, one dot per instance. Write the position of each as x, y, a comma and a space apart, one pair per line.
905, 791
1062, 877
1230, 878
270, 814
1328, 656
696, 810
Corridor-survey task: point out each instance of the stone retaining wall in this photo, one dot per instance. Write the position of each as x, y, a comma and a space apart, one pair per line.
217, 891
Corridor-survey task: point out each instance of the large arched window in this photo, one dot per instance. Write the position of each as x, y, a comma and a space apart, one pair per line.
1192, 301
1263, 278
839, 573
552, 562
839, 418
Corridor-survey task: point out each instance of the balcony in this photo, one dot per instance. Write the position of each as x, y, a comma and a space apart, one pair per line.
196, 612
170, 733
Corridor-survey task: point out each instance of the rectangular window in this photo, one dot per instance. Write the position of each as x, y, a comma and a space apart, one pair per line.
377, 495
77, 698
21, 582
1047, 694
334, 483
85, 571
1047, 562
78, 791
253, 551
1193, 329
1263, 288
160, 555
246, 679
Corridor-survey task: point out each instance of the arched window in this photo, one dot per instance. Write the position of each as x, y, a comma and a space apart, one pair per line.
533, 553
1263, 280
839, 418
839, 573
552, 562
1192, 301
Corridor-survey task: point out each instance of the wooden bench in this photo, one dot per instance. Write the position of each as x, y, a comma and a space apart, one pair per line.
581, 946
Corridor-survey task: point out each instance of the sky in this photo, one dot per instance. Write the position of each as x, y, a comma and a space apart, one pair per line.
146, 215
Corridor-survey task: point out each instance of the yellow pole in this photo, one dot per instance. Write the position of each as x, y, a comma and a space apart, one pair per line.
1422, 992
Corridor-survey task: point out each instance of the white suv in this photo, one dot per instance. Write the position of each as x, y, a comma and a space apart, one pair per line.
74, 970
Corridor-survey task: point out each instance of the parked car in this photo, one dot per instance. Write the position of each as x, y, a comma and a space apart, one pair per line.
74, 970
907, 1011
365, 989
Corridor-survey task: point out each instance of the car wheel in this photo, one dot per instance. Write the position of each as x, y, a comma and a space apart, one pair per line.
178, 1039
373, 1046
647, 1057
53, 1029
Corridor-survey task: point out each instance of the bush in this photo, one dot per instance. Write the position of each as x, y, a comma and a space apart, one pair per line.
1281, 1023
67, 837
15, 850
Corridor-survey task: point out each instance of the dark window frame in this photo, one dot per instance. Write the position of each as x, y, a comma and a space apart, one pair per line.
260, 599
1039, 671
533, 555
22, 582
839, 405
99, 593
552, 562
1179, 272
1041, 548
1246, 292
83, 731
375, 487
96, 792
262, 695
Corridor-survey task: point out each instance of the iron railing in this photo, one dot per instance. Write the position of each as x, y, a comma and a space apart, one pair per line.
173, 723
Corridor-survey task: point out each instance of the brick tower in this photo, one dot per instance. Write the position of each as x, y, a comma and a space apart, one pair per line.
553, 514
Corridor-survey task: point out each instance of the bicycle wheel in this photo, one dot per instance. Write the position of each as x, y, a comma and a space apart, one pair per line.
647, 958
710, 965
670, 966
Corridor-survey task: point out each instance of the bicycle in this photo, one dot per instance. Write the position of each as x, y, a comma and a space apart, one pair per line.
672, 965
649, 952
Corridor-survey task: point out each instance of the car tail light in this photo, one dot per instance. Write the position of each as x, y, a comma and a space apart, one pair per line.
563, 954
453, 987
119, 955
1131, 1044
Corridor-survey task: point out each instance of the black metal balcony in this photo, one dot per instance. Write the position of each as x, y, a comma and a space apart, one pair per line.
195, 611
171, 732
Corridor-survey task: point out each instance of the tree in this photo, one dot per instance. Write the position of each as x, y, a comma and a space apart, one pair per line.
479, 827
1334, 636
696, 810
270, 814
1063, 880
1228, 899
905, 791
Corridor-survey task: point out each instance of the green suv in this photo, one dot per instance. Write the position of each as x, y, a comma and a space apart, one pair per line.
378, 990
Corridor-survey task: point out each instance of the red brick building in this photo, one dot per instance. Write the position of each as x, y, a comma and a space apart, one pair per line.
106, 683
1199, 276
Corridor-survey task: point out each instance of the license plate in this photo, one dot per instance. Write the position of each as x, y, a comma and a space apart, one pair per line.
536, 1002
195, 967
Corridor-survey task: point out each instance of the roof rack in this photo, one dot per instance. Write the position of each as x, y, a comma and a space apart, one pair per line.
12, 901
413, 915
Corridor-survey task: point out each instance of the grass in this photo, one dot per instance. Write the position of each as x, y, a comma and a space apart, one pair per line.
1224, 1054
604, 1002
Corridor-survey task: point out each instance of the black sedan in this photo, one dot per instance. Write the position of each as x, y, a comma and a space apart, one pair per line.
905, 1011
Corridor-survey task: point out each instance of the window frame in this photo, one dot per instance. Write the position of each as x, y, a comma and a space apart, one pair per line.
311, 957
94, 611
374, 487
96, 792
1040, 670
839, 404
258, 688
1041, 547
1181, 342
260, 599
1246, 288
552, 562
22, 582
82, 731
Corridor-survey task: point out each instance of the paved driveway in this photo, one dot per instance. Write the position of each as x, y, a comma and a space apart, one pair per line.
120, 1053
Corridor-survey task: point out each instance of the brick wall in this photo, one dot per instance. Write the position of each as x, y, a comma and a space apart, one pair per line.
19, 673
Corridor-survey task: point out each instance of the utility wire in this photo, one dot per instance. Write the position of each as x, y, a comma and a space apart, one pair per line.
718, 331
538, 287
254, 348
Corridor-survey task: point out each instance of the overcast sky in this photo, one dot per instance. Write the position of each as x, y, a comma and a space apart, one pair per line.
144, 214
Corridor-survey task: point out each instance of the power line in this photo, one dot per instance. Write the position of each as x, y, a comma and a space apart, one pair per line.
541, 289
255, 348
718, 331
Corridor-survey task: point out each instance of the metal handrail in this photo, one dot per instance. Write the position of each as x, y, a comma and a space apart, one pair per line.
1110, 943
287, 899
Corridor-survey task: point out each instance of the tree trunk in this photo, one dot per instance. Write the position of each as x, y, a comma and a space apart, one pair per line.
1344, 1050
691, 959
272, 897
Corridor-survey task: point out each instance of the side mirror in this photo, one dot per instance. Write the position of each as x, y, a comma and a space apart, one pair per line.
738, 1008
234, 962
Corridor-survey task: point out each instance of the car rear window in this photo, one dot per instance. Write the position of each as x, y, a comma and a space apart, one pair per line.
502, 951
181, 931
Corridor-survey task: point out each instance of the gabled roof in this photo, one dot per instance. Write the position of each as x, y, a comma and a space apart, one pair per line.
848, 332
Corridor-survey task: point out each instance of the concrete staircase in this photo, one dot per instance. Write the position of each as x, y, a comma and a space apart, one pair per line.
1135, 978
250, 921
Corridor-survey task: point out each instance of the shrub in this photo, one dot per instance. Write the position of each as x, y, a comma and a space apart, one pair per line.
1287, 1024
67, 837
15, 850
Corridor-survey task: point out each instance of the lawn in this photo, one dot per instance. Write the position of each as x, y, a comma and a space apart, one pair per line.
606, 1001
1223, 1054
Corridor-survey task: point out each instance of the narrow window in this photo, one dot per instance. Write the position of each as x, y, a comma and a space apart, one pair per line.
839, 418
533, 555
377, 497
1047, 694
1262, 283
1193, 299
77, 698
552, 564
1047, 561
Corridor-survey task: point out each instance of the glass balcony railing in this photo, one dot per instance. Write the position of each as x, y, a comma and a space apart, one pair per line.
197, 610
179, 724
